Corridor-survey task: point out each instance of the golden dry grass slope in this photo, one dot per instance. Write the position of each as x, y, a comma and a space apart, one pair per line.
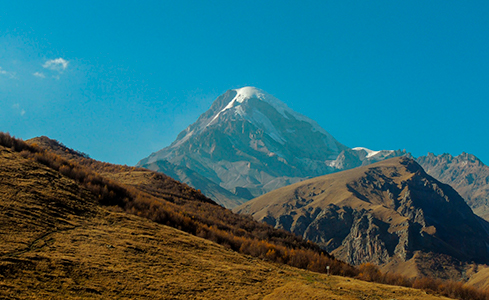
143, 179
58, 243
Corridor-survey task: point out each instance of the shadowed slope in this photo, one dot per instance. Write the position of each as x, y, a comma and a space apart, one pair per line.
466, 174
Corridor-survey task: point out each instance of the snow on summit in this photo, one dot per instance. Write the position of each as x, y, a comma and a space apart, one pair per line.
236, 105
249, 92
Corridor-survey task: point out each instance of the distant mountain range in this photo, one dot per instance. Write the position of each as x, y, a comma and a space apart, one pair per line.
390, 213
250, 143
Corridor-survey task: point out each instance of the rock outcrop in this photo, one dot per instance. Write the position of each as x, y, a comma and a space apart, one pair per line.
386, 213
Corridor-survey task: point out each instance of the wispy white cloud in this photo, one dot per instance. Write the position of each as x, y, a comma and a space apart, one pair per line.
39, 74
58, 64
5, 73
19, 109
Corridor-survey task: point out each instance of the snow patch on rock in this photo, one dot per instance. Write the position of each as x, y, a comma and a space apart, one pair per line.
371, 153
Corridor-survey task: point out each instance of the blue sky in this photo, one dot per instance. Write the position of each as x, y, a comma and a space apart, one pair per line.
120, 79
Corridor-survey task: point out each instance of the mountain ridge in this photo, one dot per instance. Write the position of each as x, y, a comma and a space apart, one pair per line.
388, 213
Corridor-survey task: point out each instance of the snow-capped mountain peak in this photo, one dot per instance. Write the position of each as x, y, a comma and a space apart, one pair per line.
252, 114
266, 114
243, 134
250, 142
249, 92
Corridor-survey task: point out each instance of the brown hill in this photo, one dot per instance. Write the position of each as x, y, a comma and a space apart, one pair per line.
59, 243
390, 213
145, 180
160, 198
466, 174
187, 176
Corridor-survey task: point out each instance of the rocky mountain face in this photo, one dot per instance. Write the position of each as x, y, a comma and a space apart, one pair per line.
466, 174
206, 186
390, 213
250, 143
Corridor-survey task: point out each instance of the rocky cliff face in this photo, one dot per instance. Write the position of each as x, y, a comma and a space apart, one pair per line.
466, 174
387, 213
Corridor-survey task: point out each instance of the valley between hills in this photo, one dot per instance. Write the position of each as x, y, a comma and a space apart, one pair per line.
386, 225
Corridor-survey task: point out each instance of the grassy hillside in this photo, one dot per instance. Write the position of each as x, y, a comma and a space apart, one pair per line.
166, 201
68, 234
58, 243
